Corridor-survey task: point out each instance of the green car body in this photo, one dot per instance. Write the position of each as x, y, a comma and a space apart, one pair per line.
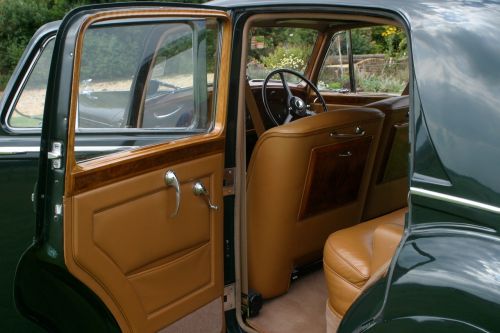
446, 273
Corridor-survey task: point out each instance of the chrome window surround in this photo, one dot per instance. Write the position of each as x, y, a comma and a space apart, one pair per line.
20, 89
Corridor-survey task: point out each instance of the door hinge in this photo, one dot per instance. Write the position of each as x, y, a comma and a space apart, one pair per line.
229, 297
229, 179
55, 155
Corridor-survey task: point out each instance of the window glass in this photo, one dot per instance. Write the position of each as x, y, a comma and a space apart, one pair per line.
148, 77
28, 110
334, 75
154, 78
110, 59
279, 47
380, 61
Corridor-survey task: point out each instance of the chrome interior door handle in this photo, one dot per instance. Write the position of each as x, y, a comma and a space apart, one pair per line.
171, 180
200, 190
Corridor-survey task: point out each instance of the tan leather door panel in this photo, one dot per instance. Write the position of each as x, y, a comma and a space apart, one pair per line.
155, 267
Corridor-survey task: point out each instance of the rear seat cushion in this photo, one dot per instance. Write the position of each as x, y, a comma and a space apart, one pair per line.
352, 255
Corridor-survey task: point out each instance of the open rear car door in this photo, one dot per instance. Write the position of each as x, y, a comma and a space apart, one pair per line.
137, 231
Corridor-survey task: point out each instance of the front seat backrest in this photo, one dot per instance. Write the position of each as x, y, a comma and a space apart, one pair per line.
306, 179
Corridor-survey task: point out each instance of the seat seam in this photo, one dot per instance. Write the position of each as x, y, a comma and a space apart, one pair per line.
348, 263
340, 276
335, 312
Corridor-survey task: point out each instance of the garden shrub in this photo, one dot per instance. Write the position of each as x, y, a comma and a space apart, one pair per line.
291, 58
19, 19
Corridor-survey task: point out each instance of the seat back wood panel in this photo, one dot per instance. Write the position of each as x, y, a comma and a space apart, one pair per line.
334, 176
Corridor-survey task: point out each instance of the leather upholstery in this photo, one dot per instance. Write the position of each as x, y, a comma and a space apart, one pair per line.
388, 188
155, 268
278, 238
354, 255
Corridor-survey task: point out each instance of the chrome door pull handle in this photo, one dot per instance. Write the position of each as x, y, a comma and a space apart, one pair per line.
200, 190
171, 180
357, 133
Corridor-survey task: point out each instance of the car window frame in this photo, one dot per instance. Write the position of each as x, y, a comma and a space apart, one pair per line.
21, 85
350, 56
174, 132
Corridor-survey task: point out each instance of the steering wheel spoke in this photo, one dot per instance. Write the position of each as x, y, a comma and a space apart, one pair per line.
289, 94
295, 106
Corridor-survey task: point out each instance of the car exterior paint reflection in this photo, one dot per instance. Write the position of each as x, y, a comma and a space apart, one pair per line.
427, 268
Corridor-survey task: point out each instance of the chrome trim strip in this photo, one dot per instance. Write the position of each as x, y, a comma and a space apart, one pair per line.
455, 200
18, 150
103, 148
23, 150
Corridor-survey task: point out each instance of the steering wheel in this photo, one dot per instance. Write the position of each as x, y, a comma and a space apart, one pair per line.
295, 106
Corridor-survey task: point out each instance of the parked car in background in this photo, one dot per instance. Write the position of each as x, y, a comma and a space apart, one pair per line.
245, 165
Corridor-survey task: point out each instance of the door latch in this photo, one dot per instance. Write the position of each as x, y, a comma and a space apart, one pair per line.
55, 155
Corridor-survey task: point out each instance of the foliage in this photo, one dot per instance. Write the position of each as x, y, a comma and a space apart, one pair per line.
388, 40
283, 48
377, 83
112, 53
362, 42
284, 38
20, 19
292, 58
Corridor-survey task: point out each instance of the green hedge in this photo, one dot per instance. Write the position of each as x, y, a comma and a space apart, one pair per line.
19, 19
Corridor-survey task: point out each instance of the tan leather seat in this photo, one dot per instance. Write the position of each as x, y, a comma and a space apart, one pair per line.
388, 187
355, 256
306, 179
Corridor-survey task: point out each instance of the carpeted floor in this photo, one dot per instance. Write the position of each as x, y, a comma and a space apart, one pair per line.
300, 310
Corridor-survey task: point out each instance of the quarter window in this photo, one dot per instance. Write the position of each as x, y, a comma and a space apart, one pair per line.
27, 112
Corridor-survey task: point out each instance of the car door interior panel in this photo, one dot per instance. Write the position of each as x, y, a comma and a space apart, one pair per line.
126, 236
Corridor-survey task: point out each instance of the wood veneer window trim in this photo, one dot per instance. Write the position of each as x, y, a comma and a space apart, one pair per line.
107, 174
218, 129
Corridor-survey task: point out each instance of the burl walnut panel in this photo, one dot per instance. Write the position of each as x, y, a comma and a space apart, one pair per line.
334, 176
